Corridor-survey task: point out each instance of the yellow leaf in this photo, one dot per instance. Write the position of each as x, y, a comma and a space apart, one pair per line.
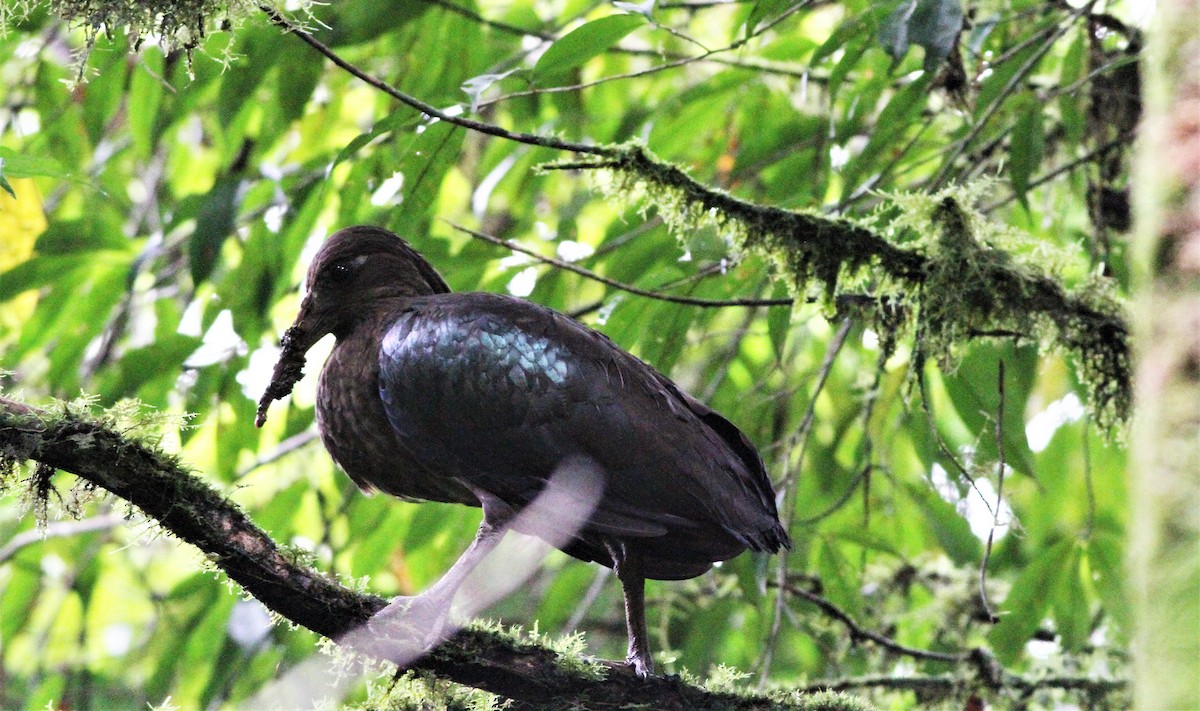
21, 222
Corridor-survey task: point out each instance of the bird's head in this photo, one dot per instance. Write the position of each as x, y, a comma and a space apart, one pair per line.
356, 269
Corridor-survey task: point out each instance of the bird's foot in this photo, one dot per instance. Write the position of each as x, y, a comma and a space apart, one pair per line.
408, 628
641, 664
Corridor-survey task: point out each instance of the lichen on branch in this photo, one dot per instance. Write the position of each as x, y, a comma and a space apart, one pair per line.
175, 25
943, 284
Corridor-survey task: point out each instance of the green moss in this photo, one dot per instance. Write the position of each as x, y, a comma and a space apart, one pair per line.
932, 269
176, 25
570, 650
415, 691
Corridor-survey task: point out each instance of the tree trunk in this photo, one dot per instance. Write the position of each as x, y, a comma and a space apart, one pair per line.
1165, 530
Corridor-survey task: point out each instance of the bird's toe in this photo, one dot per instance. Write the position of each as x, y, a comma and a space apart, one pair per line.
641, 664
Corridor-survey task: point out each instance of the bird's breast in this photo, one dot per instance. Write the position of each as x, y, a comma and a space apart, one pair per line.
355, 430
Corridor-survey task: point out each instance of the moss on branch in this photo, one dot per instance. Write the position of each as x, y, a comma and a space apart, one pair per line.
946, 285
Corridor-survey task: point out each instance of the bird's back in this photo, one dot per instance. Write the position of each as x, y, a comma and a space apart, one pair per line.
495, 392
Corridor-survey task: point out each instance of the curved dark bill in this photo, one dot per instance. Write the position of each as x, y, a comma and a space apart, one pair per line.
289, 369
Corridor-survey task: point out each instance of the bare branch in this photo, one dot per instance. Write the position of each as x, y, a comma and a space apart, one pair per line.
428, 109
576, 269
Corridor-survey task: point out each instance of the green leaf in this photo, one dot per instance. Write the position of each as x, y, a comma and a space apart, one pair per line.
145, 96
43, 271
898, 116
1028, 600
98, 230
931, 24
163, 358
4, 184
765, 9
261, 49
1072, 105
18, 165
355, 21
779, 322
214, 223
1072, 614
948, 526
1028, 147
973, 388
581, 44
1106, 557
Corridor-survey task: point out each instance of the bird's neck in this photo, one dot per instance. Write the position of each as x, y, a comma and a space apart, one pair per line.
369, 321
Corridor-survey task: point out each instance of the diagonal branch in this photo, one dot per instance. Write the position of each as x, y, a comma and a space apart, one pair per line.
629, 288
162, 487
429, 109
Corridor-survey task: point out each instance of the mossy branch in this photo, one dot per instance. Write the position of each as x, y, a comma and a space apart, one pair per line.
947, 285
164, 489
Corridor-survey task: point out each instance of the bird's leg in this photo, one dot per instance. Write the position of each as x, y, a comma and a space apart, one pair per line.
628, 568
427, 614
486, 539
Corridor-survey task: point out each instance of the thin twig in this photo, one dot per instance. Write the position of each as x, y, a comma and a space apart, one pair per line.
1120, 140
428, 109
788, 487
858, 632
286, 447
576, 269
947, 683
58, 529
987, 553
675, 62
926, 405
1011, 85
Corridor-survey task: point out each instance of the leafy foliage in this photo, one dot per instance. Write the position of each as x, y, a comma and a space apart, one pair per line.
947, 487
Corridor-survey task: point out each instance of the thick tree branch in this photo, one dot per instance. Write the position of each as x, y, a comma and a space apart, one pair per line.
163, 488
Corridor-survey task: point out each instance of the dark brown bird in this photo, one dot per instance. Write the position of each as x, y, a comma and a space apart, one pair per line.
478, 398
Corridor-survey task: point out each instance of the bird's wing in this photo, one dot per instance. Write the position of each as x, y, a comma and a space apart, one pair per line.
498, 392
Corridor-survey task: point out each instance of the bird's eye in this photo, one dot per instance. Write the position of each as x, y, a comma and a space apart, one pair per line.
341, 272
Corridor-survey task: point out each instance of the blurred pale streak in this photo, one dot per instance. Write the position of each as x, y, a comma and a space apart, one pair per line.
555, 516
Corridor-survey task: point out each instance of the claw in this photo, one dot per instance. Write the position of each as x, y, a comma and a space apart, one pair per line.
641, 664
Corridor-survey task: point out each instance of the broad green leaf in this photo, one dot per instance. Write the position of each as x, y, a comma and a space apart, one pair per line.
260, 50
581, 44
19, 165
765, 10
1003, 74
48, 693
948, 526
214, 223
779, 322
99, 230
48, 270
1072, 613
374, 546
356, 21
847, 31
899, 116
162, 359
1028, 146
21, 592
1029, 599
974, 389
1107, 560
1072, 105
145, 97
931, 24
